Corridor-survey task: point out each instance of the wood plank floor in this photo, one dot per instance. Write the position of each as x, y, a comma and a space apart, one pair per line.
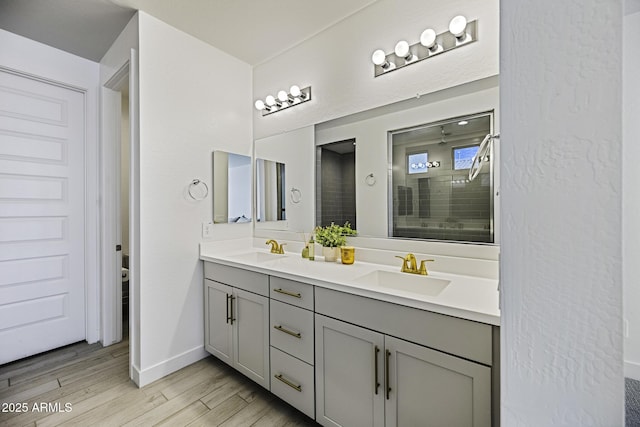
88, 385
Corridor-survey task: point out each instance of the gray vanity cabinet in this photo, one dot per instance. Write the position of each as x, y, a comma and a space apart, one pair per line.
237, 320
368, 377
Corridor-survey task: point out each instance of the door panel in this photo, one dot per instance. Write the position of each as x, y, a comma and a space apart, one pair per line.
432, 388
251, 333
346, 365
42, 277
218, 329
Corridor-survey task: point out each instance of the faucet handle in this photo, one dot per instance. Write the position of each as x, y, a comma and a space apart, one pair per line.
281, 248
404, 263
423, 267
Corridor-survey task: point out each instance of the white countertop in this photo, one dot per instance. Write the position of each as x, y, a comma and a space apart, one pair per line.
467, 297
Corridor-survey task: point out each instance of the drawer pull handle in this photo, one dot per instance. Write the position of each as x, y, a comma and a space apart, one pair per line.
296, 387
376, 382
286, 331
386, 372
231, 298
291, 294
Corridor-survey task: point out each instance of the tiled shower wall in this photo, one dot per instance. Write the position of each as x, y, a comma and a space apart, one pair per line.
338, 188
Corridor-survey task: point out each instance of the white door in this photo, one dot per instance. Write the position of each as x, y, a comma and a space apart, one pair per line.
42, 280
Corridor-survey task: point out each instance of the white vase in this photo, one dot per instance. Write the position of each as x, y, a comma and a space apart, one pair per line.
330, 254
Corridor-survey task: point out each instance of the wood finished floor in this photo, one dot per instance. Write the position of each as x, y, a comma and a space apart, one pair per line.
94, 380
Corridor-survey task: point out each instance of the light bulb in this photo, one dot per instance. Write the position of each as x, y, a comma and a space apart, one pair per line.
260, 105
295, 91
458, 25
402, 49
463, 122
270, 100
379, 57
428, 38
282, 96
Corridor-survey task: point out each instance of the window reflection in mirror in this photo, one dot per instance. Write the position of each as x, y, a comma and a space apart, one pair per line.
432, 196
231, 188
270, 191
336, 183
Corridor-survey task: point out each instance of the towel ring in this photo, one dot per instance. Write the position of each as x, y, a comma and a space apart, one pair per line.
296, 195
198, 190
370, 180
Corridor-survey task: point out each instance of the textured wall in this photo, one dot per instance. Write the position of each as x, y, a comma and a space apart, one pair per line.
560, 96
631, 190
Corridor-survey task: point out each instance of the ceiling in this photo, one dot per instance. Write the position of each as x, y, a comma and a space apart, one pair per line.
253, 31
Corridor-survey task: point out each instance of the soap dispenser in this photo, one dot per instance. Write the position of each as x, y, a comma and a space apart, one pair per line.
312, 249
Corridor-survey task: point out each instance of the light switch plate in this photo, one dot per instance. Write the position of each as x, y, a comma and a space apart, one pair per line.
207, 229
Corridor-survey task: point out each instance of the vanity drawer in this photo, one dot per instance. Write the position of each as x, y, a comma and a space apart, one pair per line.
291, 292
292, 330
292, 380
251, 281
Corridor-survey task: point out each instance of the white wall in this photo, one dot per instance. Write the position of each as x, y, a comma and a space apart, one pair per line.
337, 62
194, 99
27, 56
631, 190
561, 324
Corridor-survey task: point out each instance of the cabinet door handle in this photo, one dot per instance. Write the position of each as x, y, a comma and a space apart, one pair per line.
287, 331
228, 316
296, 387
232, 318
386, 371
376, 383
291, 294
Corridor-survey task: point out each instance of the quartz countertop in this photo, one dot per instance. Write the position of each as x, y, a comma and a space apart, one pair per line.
468, 297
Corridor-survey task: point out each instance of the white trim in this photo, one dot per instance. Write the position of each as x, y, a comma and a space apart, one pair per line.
110, 187
632, 370
159, 370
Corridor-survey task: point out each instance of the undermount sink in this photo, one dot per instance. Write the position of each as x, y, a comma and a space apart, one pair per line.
415, 283
257, 257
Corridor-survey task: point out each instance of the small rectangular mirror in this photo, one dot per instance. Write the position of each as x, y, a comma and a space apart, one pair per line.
270, 191
231, 188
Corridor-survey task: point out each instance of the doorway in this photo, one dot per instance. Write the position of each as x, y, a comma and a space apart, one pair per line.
336, 183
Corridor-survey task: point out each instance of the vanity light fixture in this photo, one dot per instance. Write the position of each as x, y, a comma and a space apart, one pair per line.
429, 39
379, 58
404, 51
458, 27
284, 100
430, 44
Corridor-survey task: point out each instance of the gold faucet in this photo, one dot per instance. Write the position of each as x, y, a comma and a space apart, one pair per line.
409, 265
275, 247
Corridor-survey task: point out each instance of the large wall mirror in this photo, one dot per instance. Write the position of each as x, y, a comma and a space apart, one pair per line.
231, 188
432, 194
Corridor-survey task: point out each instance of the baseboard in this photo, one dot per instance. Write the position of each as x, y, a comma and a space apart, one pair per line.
162, 369
632, 370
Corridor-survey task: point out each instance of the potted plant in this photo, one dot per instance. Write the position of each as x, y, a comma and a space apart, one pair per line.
331, 237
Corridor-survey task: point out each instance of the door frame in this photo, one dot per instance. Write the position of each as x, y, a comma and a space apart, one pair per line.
109, 165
